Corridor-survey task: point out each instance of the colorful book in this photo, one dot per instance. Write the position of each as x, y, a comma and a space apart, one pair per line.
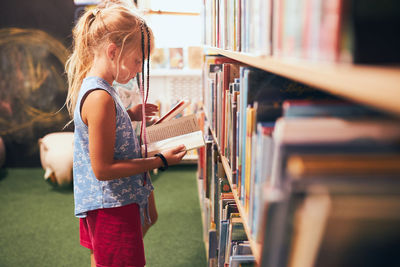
236, 234
262, 172
327, 108
224, 228
242, 261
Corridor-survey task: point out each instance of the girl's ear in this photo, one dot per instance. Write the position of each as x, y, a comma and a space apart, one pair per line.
111, 51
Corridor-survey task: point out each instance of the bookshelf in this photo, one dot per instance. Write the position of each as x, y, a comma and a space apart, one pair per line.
356, 82
373, 87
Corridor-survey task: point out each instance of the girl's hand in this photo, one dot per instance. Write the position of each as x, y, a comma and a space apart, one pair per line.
175, 155
135, 112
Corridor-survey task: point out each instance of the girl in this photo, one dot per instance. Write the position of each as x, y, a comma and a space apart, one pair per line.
111, 185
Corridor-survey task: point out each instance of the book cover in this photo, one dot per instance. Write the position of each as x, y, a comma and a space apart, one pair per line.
274, 226
330, 30
242, 249
292, 32
309, 225
327, 108
201, 166
176, 58
252, 183
208, 168
224, 202
242, 261
235, 132
238, 17
212, 247
262, 171
159, 58
214, 196
334, 130
312, 29
330, 220
219, 178
343, 165
266, 16
361, 229
212, 96
228, 124
195, 57
236, 233
224, 227
247, 166
329, 136
277, 27
236, 175
230, 209
230, 72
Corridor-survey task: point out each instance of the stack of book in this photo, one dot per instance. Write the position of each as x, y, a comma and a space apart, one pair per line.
360, 31
226, 239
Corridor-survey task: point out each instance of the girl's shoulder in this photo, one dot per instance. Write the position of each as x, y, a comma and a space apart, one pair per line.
93, 82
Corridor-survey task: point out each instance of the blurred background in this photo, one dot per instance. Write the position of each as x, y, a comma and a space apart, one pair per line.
34, 45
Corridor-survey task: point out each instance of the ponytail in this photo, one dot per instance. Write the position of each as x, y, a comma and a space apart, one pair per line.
80, 62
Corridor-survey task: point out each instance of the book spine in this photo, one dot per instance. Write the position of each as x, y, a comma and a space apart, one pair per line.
330, 30
247, 167
225, 87
238, 26
234, 135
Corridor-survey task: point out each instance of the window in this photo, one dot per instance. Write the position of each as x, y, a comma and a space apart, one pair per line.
175, 30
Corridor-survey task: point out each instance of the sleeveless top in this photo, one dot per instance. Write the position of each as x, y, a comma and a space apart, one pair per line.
91, 193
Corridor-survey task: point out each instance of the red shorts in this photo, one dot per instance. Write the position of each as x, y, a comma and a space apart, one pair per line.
114, 235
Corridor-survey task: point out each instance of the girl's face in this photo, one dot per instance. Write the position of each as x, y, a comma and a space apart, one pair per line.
130, 64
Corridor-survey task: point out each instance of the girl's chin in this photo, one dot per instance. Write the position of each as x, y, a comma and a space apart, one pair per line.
123, 81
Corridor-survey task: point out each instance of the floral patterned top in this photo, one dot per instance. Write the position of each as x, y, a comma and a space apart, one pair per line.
91, 193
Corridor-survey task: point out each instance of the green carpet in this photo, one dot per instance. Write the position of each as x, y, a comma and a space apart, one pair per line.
37, 226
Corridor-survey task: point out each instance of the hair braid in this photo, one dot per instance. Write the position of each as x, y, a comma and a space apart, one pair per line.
142, 80
148, 60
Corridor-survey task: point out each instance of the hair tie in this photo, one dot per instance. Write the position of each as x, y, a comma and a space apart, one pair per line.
95, 11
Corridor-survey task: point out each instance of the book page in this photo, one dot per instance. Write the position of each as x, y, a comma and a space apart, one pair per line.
191, 141
180, 126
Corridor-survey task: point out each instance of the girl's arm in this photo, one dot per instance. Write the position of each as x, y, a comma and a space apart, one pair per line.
98, 112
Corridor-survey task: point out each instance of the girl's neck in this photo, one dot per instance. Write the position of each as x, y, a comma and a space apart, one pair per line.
101, 69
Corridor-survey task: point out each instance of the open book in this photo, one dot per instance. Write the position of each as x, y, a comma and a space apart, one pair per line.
170, 134
178, 108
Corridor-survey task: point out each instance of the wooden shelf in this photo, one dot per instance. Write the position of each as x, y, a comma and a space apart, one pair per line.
255, 247
375, 86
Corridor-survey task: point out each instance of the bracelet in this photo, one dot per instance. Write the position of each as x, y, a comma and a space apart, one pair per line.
164, 160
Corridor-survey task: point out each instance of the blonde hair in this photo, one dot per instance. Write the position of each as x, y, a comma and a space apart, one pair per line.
113, 21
